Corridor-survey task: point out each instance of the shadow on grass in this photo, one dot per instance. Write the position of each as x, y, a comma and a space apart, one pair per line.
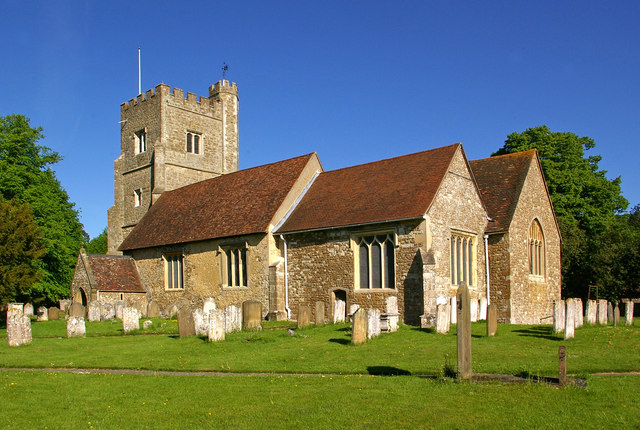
387, 371
541, 332
424, 330
340, 341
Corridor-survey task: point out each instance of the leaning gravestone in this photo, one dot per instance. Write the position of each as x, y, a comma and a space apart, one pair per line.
579, 313
359, 327
232, 319
130, 319
53, 314
464, 332
93, 311
592, 312
107, 311
558, 316
492, 320
442, 318
628, 312
153, 311
186, 326
76, 327
373, 323
304, 316
28, 310
18, 325
43, 313
118, 306
216, 325
602, 312
339, 310
319, 314
252, 315
570, 319
76, 310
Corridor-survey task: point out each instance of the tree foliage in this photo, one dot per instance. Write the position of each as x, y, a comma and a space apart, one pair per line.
587, 204
26, 176
97, 245
21, 250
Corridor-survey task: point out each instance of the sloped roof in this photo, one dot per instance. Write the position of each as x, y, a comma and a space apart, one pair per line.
392, 189
242, 202
500, 180
115, 273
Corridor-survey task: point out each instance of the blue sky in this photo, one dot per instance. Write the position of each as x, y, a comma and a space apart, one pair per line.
354, 81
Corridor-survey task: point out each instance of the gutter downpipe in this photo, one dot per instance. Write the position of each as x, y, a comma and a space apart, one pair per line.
486, 258
286, 279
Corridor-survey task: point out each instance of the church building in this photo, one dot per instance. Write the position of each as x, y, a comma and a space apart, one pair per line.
411, 228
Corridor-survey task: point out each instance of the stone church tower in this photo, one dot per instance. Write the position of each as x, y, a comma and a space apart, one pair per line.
169, 141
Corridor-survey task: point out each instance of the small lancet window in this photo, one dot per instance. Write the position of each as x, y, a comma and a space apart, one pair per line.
536, 249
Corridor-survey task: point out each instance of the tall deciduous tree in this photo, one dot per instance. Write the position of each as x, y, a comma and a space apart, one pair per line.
26, 176
585, 201
97, 245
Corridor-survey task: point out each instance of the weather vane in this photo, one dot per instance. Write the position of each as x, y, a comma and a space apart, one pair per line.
225, 69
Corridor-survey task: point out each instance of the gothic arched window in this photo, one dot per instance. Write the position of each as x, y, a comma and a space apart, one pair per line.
536, 249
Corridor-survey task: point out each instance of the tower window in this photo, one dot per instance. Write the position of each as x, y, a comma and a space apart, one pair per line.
141, 141
137, 197
193, 142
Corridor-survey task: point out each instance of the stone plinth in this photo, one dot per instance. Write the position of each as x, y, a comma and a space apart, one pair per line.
153, 311
592, 312
492, 320
602, 312
304, 316
442, 318
339, 311
463, 329
216, 328
232, 319
319, 314
93, 311
186, 326
130, 319
252, 315
373, 323
107, 311
558, 316
570, 319
359, 327
76, 310
628, 312
43, 313
76, 327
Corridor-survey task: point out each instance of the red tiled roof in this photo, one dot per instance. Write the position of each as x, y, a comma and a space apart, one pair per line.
242, 202
500, 180
115, 273
396, 188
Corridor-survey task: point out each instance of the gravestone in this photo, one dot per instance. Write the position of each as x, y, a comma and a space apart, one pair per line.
483, 309
353, 309
43, 313
216, 328
173, 311
251, 315
232, 319
339, 309
118, 306
373, 323
146, 324
592, 312
107, 311
562, 365
153, 311
628, 312
392, 316
602, 312
201, 322
579, 313
208, 305
463, 330
130, 319
558, 316
609, 313
304, 316
454, 310
76, 310
76, 326
28, 310
18, 325
616, 316
570, 319
64, 305
492, 320
359, 327
53, 313
319, 314
474, 310
93, 311
186, 326
442, 318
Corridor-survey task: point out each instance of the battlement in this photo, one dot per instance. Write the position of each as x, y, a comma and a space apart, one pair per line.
223, 87
178, 94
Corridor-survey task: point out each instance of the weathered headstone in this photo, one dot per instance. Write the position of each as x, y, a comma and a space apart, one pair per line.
153, 311
558, 316
173, 311
319, 314
208, 305
392, 316
18, 325
53, 313
616, 316
118, 306
76, 310
562, 365
76, 326
454, 310
28, 310
93, 311
304, 316
570, 319
107, 311
130, 319
579, 313
352, 309
43, 313
201, 322
373, 323
64, 305
359, 327
339, 310
186, 326
463, 329
628, 312
592, 312
251, 315
492, 320
602, 312
483, 309
474, 310
442, 318
15, 309
216, 328
146, 324
232, 319
609, 313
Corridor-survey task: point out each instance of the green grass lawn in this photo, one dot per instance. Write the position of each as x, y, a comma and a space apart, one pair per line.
353, 399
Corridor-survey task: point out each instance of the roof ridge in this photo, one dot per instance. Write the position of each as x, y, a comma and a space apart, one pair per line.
528, 152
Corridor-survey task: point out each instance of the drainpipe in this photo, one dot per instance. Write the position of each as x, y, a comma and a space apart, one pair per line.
486, 258
286, 279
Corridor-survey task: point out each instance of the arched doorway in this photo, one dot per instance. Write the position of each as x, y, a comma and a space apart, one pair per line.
339, 295
80, 297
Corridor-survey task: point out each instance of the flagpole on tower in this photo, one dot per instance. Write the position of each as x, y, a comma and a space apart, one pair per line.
139, 74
